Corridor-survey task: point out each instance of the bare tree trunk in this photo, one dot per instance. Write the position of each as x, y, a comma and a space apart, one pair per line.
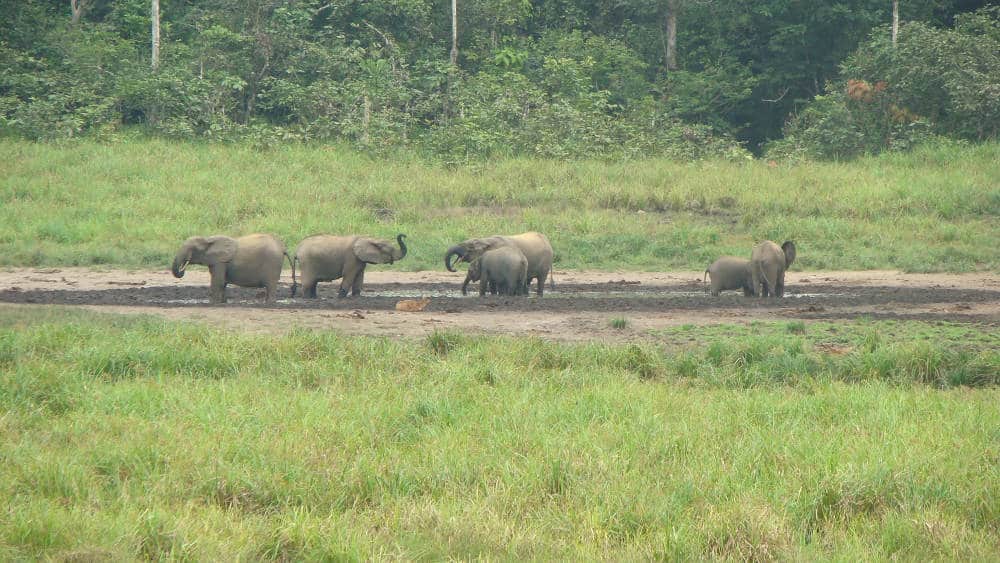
77, 8
454, 33
895, 21
671, 34
155, 16
366, 120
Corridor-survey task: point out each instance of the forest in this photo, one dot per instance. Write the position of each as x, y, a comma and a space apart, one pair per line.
471, 79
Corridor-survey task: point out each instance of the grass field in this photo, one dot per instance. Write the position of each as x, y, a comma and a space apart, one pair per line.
134, 437
132, 203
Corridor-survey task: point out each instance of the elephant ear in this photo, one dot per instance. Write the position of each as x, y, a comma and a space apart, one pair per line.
475, 269
220, 249
478, 246
789, 248
373, 251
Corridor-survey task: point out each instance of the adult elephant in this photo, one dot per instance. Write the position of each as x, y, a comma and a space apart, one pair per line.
329, 257
248, 261
534, 246
768, 263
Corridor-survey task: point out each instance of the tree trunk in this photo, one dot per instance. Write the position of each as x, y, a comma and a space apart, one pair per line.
77, 8
671, 34
155, 16
454, 33
895, 21
366, 120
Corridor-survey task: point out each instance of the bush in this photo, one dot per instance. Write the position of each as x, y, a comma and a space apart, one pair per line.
933, 82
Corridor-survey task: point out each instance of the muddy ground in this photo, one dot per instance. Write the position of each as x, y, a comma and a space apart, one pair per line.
579, 308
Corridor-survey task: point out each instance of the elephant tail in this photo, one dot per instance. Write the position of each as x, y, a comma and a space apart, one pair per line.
292, 261
704, 276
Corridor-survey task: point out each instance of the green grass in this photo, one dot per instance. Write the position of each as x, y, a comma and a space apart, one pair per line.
134, 437
132, 203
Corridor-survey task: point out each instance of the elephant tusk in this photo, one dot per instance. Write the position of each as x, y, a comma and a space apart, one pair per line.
184, 266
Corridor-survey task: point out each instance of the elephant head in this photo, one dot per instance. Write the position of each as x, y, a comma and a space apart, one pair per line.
472, 275
788, 247
379, 251
203, 250
469, 250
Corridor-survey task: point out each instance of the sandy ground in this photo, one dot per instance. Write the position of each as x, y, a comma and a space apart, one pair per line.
579, 308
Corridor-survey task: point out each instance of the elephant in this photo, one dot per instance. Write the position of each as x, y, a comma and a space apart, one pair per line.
730, 272
535, 247
329, 257
504, 270
768, 263
474, 274
249, 261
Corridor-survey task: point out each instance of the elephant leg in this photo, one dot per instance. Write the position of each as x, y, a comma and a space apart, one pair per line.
350, 273
483, 284
270, 290
217, 289
308, 283
773, 286
309, 289
359, 280
541, 283
779, 289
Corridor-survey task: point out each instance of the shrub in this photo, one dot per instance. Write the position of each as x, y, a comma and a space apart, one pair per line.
933, 82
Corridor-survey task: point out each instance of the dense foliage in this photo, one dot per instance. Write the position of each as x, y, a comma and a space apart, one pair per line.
933, 82
566, 78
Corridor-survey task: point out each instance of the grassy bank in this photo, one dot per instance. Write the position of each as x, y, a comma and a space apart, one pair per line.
130, 204
136, 437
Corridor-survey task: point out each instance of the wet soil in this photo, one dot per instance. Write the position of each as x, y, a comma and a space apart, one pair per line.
579, 308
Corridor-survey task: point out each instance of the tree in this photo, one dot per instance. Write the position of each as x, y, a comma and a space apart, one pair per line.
454, 33
671, 47
895, 21
155, 16
77, 7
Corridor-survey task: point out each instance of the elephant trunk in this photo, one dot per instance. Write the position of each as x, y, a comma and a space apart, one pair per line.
456, 250
180, 264
402, 246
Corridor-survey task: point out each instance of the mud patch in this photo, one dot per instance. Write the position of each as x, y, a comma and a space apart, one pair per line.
579, 308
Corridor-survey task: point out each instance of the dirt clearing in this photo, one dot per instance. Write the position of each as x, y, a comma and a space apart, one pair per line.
581, 306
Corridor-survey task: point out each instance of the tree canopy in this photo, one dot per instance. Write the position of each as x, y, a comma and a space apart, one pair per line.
559, 78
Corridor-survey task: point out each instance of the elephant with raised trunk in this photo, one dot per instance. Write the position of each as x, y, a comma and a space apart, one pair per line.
329, 257
768, 263
249, 261
730, 272
535, 247
503, 270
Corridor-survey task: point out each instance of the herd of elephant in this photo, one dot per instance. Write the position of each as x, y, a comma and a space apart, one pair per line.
504, 265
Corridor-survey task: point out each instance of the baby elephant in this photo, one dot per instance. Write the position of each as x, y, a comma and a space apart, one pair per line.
730, 272
503, 270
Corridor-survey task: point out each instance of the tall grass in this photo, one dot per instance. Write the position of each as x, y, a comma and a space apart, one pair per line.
132, 438
130, 204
